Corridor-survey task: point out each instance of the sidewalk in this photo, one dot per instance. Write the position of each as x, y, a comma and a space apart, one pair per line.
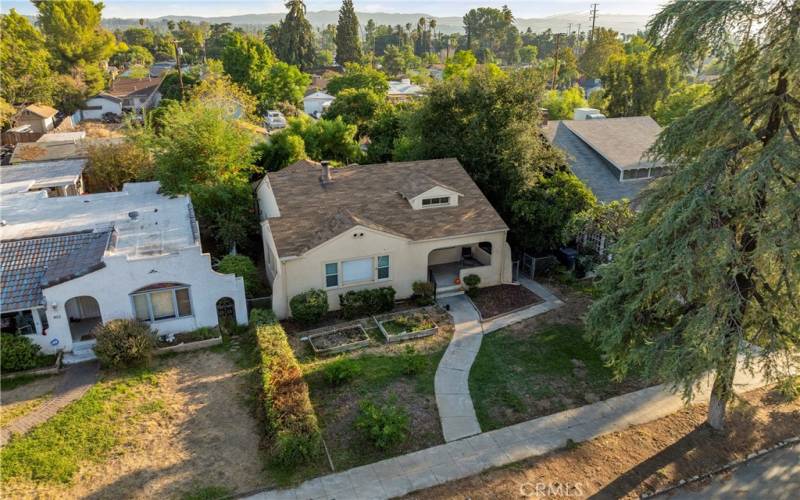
77, 380
466, 457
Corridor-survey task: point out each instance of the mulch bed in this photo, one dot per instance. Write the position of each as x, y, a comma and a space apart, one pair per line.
332, 318
501, 299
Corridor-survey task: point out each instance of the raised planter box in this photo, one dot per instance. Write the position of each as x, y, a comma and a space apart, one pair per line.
339, 340
399, 337
36, 372
189, 346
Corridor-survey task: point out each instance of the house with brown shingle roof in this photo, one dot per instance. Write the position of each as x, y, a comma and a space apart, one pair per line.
369, 226
41, 118
125, 95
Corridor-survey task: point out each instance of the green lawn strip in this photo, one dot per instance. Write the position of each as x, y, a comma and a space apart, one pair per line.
86, 430
13, 383
9, 413
510, 371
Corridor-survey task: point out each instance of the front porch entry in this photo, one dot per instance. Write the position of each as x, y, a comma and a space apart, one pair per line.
445, 265
84, 314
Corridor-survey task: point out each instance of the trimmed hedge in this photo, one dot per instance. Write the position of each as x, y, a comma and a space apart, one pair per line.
423, 293
357, 304
310, 306
472, 281
290, 417
18, 353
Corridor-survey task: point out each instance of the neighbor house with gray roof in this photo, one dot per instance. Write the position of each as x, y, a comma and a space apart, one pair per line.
56, 178
368, 226
609, 154
71, 263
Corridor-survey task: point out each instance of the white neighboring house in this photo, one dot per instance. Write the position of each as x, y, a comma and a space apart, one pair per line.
125, 95
72, 263
368, 226
404, 90
56, 178
317, 103
95, 107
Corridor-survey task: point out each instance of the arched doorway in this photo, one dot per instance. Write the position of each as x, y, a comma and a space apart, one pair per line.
84, 314
226, 312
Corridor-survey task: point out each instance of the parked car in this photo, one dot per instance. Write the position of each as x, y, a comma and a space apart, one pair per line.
275, 119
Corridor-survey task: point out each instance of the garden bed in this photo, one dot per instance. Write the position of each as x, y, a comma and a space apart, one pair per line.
397, 327
48, 364
339, 340
499, 300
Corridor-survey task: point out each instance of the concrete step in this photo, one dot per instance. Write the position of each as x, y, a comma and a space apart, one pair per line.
73, 358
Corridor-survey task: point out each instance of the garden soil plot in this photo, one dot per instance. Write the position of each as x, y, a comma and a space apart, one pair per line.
502, 299
340, 338
189, 431
643, 458
381, 379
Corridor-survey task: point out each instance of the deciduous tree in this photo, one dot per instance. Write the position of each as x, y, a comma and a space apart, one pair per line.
359, 76
679, 103
604, 44
26, 75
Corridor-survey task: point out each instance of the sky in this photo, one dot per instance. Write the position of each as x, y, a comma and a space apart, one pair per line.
439, 8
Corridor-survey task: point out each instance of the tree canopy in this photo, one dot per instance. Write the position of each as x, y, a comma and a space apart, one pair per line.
359, 76
561, 104
604, 44
634, 83
711, 260
293, 39
26, 76
679, 103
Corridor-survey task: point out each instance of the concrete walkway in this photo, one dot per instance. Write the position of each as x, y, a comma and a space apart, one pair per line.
466, 457
77, 380
451, 383
775, 475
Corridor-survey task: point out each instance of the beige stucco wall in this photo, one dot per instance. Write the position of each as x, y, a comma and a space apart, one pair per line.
408, 263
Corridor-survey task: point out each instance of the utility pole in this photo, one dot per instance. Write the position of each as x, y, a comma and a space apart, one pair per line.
593, 13
578, 41
555, 66
178, 51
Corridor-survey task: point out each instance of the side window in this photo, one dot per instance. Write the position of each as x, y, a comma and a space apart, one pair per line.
383, 267
332, 275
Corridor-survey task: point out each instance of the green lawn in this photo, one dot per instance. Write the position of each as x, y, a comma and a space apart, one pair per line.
85, 430
520, 375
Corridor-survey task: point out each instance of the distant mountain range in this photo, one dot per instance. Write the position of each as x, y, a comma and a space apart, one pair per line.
558, 23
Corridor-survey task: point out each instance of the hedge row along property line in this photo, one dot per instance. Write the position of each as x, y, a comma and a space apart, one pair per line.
290, 418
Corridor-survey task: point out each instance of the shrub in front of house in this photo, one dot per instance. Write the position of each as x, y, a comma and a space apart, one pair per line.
310, 306
18, 353
423, 293
341, 371
357, 304
385, 426
289, 415
124, 342
472, 281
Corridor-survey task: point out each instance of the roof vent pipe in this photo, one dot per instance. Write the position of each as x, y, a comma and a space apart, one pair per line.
326, 172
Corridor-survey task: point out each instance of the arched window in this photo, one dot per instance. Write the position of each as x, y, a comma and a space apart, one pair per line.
161, 301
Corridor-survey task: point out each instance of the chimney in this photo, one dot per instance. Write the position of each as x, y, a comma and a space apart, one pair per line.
326, 172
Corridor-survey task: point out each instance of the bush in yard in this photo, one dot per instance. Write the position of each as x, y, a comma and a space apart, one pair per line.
340, 371
413, 363
472, 281
385, 426
124, 342
357, 304
309, 307
290, 418
242, 265
18, 353
423, 293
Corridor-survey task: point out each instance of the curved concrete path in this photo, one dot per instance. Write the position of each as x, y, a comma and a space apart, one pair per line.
451, 383
77, 380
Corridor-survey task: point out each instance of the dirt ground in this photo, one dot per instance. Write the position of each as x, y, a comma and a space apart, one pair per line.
501, 299
193, 430
640, 459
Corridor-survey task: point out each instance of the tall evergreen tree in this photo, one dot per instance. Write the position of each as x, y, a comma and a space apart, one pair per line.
293, 40
348, 39
713, 259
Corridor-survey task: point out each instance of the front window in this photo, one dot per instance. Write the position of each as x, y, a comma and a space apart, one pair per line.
383, 267
160, 304
354, 271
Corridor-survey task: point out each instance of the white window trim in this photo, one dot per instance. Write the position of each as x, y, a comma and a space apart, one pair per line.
436, 205
174, 304
340, 272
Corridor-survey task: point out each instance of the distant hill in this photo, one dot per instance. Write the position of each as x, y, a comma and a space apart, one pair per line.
559, 23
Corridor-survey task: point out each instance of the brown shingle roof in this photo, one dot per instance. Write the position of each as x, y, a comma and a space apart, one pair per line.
41, 110
622, 141
369, 195
126, 87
